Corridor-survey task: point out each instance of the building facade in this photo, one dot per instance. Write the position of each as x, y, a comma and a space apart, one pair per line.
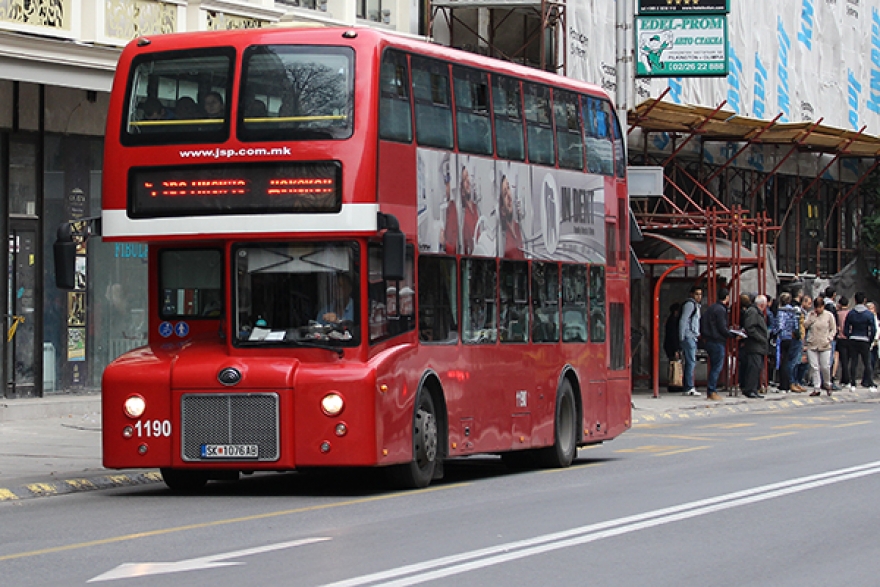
57, 59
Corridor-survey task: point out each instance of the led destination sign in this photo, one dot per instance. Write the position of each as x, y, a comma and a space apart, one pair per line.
235, 189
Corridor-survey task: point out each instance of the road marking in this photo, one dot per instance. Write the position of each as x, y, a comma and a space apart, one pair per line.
702, 437
456, 564
132, 570
772, 436
799, 426
649, 448
730, 426
571, 468
862, 423
681, 450
215, 523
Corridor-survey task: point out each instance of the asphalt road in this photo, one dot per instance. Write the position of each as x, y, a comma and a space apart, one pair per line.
760, 498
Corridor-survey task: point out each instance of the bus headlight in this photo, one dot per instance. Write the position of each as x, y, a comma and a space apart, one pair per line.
332, 404
134, 406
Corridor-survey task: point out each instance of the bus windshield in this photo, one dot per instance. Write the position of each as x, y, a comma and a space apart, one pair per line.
296, 93
296, 293
179, 97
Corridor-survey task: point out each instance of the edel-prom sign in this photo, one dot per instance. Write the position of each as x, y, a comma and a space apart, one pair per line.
681, 45
689, 6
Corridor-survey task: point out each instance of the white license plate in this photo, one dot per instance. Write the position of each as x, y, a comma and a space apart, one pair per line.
230, 451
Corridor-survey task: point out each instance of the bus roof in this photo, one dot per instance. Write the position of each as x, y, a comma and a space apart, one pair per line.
365, 37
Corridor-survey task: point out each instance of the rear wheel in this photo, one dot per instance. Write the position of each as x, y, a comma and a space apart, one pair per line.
425, 437
562, 453
184, 481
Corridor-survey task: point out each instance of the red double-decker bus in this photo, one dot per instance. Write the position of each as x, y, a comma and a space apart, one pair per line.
364, 250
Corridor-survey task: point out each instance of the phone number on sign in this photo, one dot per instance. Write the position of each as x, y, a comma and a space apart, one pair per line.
701, 67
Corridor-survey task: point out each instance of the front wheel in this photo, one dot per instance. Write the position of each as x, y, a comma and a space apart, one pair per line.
418, 473
562, 453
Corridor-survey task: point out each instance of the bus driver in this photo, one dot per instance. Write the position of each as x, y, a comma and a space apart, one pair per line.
342, 308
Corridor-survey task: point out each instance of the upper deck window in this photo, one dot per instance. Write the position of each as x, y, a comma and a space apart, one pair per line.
292, 92
472, 111
178, 97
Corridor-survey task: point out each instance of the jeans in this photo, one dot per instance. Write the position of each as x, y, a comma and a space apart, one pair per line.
689, 351
716, 351
794, 353
784, 364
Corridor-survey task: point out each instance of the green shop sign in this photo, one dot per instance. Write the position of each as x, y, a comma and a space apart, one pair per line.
681, 46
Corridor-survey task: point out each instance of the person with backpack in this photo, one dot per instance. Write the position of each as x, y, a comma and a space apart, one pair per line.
688, 334
860, 329
787, 328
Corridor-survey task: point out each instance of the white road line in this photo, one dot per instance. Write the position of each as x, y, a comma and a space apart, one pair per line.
469, 561
131, 570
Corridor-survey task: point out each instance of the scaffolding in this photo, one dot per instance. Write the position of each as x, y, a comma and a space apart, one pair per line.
732, 236
521, 31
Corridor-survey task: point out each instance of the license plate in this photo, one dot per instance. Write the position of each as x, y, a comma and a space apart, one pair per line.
229, 451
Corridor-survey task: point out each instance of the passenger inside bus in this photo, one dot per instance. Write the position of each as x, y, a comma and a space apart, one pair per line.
154, 110
256, 109
212, 102
187, 109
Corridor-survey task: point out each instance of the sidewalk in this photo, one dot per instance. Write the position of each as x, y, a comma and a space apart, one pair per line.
676, 406
52, 446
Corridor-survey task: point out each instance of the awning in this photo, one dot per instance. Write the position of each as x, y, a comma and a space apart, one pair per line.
55, 62
696, 249
724, 125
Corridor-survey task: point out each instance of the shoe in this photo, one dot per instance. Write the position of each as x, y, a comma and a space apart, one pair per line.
815, 392
692, 392
873, 389
835, 387
753, 395
714, 397
852, 387
798, 388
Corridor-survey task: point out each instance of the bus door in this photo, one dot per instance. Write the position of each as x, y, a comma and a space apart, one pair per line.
23, 364
598, 353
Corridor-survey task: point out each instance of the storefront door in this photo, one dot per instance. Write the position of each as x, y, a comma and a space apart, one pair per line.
23, 362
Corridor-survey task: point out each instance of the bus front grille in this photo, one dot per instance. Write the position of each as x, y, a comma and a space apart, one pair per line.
229, 420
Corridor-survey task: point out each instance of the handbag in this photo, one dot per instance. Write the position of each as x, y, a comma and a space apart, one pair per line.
676, 373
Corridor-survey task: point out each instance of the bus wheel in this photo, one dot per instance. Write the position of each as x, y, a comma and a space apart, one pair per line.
561, 454
418, 472
184, 481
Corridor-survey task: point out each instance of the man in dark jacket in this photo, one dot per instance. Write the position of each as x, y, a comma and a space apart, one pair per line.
755, 346
859, 329
715, 333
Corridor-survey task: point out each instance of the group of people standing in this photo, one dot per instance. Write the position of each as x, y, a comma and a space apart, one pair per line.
821, 335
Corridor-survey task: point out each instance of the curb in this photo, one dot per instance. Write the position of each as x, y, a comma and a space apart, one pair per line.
769, 403
78, 485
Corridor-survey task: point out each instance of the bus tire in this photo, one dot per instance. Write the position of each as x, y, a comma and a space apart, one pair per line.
564, 448
184, 481
418, 473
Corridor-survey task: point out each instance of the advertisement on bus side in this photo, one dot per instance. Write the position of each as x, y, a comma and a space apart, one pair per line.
474, 205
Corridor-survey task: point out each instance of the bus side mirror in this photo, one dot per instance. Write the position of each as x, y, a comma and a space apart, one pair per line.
65, 257
394, 255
